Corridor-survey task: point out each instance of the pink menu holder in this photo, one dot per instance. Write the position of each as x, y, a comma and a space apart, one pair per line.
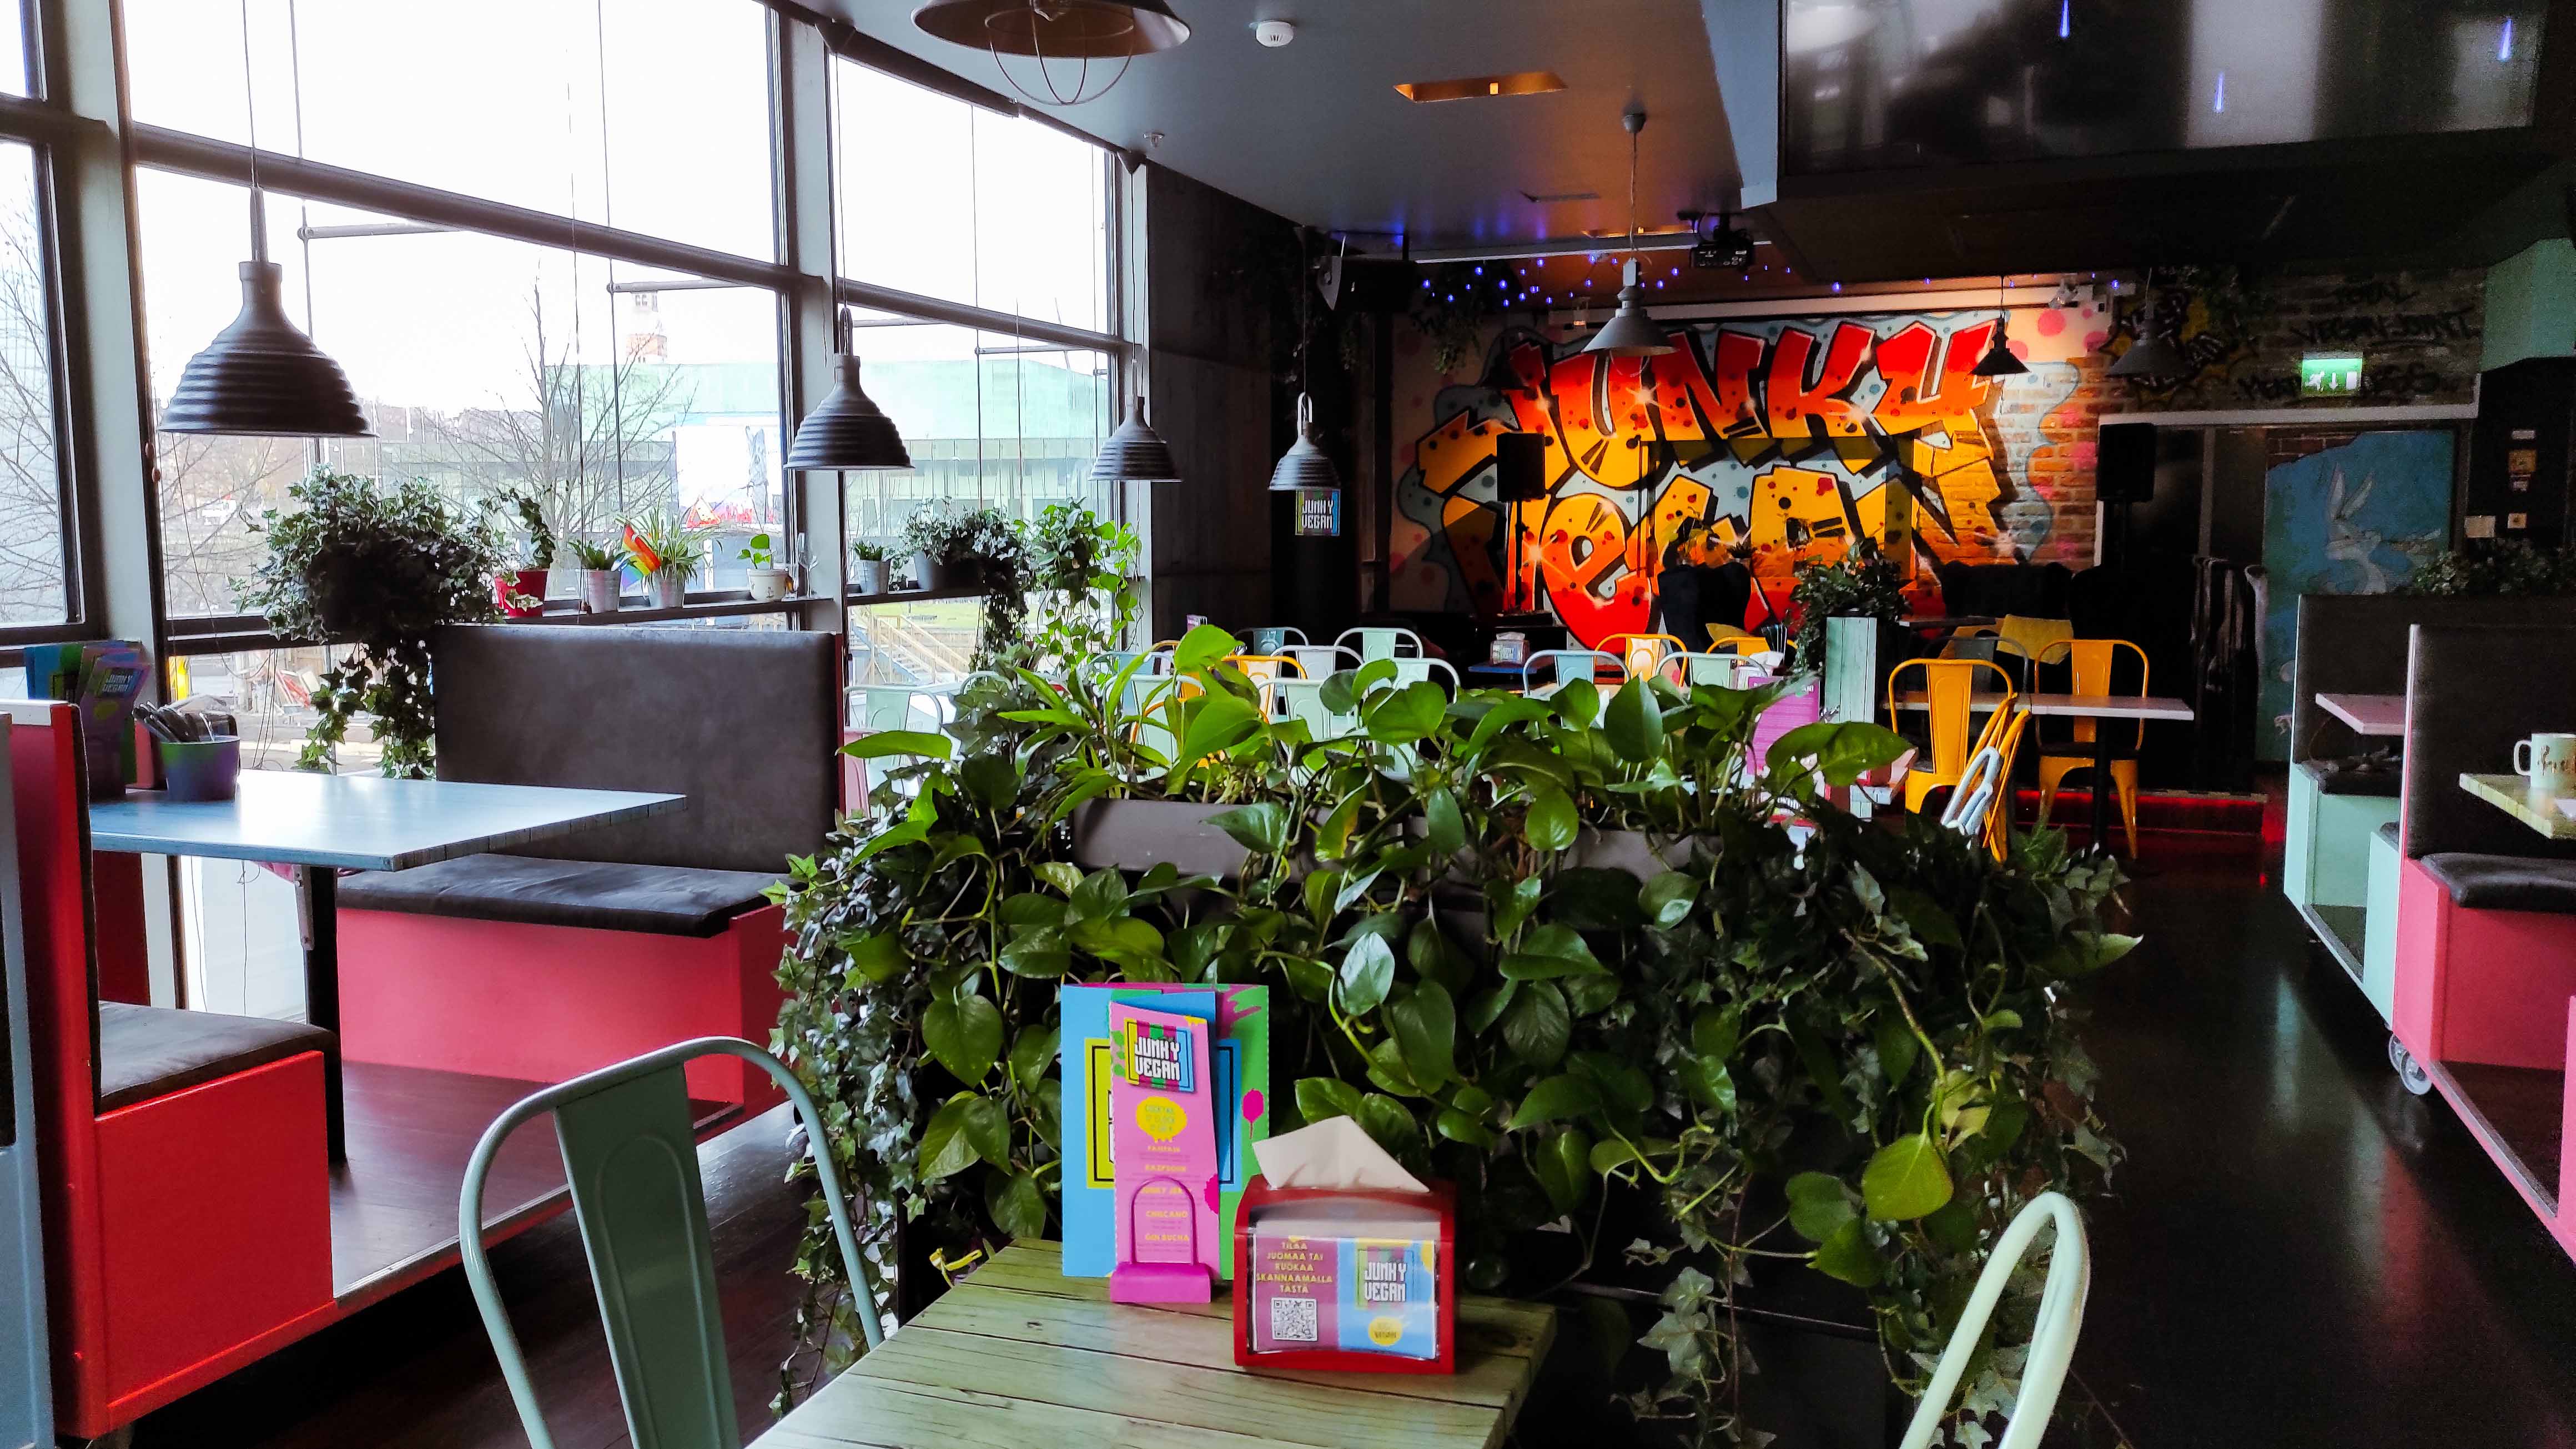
1165, 1161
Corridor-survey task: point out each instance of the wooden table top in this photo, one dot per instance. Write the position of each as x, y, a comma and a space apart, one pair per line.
2090, 706
1018, 1356
2512, 795
357, 822
2379, 715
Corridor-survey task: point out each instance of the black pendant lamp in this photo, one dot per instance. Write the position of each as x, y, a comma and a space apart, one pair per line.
1631, 332
1135, 454
2150, 356
1304, 465
1057, 30
1999, 360
260, 375
846, 430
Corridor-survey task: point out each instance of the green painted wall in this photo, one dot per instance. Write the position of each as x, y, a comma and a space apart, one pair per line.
2531, 304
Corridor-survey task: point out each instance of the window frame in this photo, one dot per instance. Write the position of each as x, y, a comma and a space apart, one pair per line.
38, 126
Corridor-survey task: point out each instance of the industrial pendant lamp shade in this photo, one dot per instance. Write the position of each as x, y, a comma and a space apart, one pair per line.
1135, 454
1056, 29
1631, 332
1304, 465
261, 376
846, 430
2150, 357
1999, 360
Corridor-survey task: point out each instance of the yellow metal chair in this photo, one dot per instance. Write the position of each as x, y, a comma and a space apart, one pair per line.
1642, 654
2002, 736
1265, 670
1949, 695
2091, 662
1722, 640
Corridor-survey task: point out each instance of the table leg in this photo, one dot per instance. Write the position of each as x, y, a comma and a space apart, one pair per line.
2101, 783
317, 891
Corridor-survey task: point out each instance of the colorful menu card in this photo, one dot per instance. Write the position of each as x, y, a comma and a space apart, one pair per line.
1237, 1065
1163, 1124
1338, 1281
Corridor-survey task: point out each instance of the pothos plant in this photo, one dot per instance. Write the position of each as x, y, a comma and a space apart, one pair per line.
1810, 1039
376, 568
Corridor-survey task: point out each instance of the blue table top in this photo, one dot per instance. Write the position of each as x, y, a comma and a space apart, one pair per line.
357, 822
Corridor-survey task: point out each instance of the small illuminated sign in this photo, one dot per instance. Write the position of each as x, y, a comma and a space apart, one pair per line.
1319, 513
2330, 374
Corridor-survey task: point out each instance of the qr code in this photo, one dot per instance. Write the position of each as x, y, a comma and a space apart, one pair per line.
1292, 1320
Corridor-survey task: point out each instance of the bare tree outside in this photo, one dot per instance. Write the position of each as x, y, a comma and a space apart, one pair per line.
33, 578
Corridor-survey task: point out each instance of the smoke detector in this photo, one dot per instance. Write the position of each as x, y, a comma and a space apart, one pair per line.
1273, 33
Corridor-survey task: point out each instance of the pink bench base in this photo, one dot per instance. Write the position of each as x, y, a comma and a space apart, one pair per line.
546, 1003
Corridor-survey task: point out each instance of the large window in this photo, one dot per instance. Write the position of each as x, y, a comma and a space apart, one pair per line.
647, 115
36, 576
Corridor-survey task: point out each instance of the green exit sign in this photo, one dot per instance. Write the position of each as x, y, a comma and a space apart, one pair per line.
2330, 374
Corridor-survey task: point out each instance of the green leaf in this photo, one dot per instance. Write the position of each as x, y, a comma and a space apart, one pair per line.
1610, 1156
1017, 1206
1905, 1180
1563, 1165
1634, 722
945, 1149
1388, 1073
1551, 822
992, 780
1102, 894
1549, 952
1030, 908
1322, 1097
1843, 751
899, 742
1537, 1026
1556, 1098
1667, 898
1578, 703
1403, 716
1388, 1121
1368, 970
1216, 723
1923, 916
1435, 958
1622, 1084
1847, 1255
2090, 951
1708, 1080
1333, 837
1818, 1205
966, 1036
1262, 827
1445, 827
1457, 1126
876, 958
987, 1127
1512, 906
1032, 1052
1897, 1049
1472, 1099
1588, 898
1040, 953
1954, 1227
1426, 1028
1063, 875
1202, 647
1714, 1033
1487, 1007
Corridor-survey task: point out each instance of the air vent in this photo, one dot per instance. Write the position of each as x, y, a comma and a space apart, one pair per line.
1552, 198
1474, 87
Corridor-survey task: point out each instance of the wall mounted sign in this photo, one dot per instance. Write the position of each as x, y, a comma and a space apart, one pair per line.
1319, 513
2330, 374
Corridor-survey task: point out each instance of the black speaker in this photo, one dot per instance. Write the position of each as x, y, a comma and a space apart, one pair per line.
1520, 467
2124, 464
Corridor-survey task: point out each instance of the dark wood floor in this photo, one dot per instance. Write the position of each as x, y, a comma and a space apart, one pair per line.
416, 1372
2527, 1107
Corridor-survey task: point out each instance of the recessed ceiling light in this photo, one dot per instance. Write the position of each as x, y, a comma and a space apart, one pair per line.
1520, 83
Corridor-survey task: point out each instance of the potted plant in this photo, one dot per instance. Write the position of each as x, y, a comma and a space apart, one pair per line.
664, 548
599, 582
1865, 590
765, 580
967, 549
377, 568
868, 568
521, 592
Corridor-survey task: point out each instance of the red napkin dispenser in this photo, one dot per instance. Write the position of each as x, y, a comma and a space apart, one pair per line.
1303, 1299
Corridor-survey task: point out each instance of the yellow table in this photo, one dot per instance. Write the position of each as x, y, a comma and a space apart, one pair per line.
2512, 795
1018, 1356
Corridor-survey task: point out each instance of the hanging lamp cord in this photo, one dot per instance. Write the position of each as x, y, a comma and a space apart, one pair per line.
250, 112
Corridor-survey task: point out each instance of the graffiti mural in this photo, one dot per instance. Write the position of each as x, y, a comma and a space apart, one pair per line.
1790, 438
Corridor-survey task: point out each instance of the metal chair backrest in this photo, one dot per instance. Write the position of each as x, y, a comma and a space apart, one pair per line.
2052, 1340
1949, 689
1726, 671
1382, 643
1563, 667
631, 1158
2092, 663
877, 707
1642, 654
1416, 670
1271, 639
1724, 640
1265, 670
1975, 793
1322, 661
1303, 699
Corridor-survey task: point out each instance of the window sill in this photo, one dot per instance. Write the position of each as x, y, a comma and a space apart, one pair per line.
915, 596
735, 603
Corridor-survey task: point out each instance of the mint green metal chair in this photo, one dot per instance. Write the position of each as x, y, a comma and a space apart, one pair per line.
1382, 643
632, 1161
2052, 1337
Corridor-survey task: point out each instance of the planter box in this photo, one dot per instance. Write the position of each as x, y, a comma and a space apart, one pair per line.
1634, 851
1141, 834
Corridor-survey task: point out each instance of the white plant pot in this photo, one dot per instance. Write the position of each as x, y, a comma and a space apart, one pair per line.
667, 588
766, 584
599, 591
867, 575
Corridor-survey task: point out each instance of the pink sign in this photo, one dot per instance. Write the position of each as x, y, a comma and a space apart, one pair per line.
1163, 1157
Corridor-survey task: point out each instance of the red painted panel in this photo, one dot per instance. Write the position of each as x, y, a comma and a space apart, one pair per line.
2481, 986
2416, 1012
544, 1003
216, 1219
124, 964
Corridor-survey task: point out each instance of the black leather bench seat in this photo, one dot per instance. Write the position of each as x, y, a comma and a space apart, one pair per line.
2505, 882
2352, 777
153, 1051
662, 900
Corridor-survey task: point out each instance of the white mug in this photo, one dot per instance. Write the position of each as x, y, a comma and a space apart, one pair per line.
2549, 761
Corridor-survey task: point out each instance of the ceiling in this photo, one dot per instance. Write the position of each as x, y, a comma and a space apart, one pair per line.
1315, 131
